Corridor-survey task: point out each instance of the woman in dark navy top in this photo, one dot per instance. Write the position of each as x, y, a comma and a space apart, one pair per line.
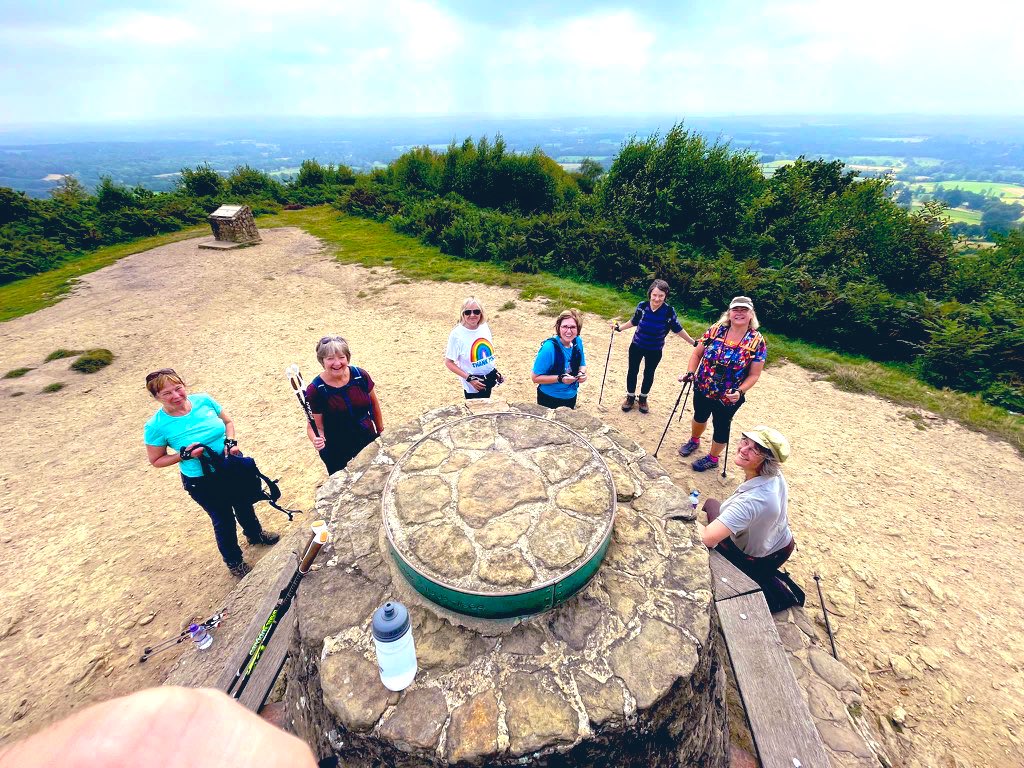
653, 320
344, 405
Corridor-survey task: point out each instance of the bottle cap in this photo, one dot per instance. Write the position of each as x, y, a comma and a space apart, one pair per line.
390, 621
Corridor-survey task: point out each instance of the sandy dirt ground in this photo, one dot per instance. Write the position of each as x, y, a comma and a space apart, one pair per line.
915, 524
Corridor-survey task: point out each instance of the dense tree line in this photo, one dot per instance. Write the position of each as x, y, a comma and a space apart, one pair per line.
829, 256
38, 235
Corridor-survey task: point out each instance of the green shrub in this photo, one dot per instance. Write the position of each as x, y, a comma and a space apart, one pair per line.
57, 386
16, 373
201, 181
60, 354
92, 360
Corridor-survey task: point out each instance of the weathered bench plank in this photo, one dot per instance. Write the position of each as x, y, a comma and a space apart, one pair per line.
263, 677
779, 719
729, 581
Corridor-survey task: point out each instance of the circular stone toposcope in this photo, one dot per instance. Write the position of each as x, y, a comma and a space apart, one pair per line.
500, 514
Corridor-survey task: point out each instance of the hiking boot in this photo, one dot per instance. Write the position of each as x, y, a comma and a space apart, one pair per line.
689, 447
704, 463
627, 404
642, 402
238, 570
266, 538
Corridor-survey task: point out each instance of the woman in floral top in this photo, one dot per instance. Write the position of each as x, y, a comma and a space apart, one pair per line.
726, 363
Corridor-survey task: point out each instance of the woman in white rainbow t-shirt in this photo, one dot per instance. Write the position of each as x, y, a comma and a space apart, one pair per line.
470, 351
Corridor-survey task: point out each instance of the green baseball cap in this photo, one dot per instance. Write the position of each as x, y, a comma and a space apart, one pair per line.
771, 440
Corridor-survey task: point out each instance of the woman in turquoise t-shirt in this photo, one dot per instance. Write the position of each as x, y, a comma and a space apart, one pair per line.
175, 435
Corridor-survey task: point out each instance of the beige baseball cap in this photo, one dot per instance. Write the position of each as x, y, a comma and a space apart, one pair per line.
741, 301
771, 440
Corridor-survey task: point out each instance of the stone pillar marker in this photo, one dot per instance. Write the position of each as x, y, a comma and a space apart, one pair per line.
233, 227
626, 671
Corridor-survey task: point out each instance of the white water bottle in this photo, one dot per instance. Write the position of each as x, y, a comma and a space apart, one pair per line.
200, 636
694, 499
396, 651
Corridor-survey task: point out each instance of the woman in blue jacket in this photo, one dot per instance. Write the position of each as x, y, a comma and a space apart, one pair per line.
561, 364
653, 320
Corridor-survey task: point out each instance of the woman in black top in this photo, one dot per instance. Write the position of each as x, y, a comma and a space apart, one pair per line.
344, 405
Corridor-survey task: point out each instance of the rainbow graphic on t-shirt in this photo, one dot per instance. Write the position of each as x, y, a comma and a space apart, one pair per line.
480, 351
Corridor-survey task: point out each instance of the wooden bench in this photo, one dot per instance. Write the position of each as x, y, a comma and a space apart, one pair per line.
261, 683
784, 733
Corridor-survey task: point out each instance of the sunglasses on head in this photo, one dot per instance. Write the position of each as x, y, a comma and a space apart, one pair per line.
161, 372
468, 312
327, 339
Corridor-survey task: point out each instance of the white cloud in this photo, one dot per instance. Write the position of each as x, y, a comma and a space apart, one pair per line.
146, 29
419, 57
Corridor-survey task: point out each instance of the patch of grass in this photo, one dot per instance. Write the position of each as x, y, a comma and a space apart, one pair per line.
401, 281
17, 394
507, 305
1006, 192
57, 386
957, 215
917, 419
858, 374
92, 360
25, 296
355, 240
60, 354
362, 295
16, 373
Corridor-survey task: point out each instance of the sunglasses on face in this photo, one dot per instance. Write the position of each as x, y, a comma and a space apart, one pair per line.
161, 372
468, 312
568, 327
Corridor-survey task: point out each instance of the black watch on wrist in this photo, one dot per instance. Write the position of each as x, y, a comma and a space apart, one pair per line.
560, 377
230, 442
185, 453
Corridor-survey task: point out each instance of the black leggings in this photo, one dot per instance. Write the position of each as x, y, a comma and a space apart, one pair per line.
342, 448
553, 402
217, 500
651, 357
704, 408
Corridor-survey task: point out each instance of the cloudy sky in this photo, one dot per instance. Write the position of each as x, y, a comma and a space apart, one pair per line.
104, 60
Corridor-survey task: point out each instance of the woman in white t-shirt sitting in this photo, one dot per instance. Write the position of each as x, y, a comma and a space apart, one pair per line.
751, 528
470, 351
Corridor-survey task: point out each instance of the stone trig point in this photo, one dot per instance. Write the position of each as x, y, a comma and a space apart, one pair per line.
561, 606
233, 227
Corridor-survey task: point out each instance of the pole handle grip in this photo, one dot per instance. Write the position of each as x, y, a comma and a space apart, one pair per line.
320, 537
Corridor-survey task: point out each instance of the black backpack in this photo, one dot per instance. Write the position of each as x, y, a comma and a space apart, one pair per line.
575, 357
240, 473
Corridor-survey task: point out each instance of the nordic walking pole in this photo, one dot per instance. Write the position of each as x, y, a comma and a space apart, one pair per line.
726, 462
685, 388
284, 600
824, 610
685, 399
609, 357
295, 377
692, 378
210, 623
